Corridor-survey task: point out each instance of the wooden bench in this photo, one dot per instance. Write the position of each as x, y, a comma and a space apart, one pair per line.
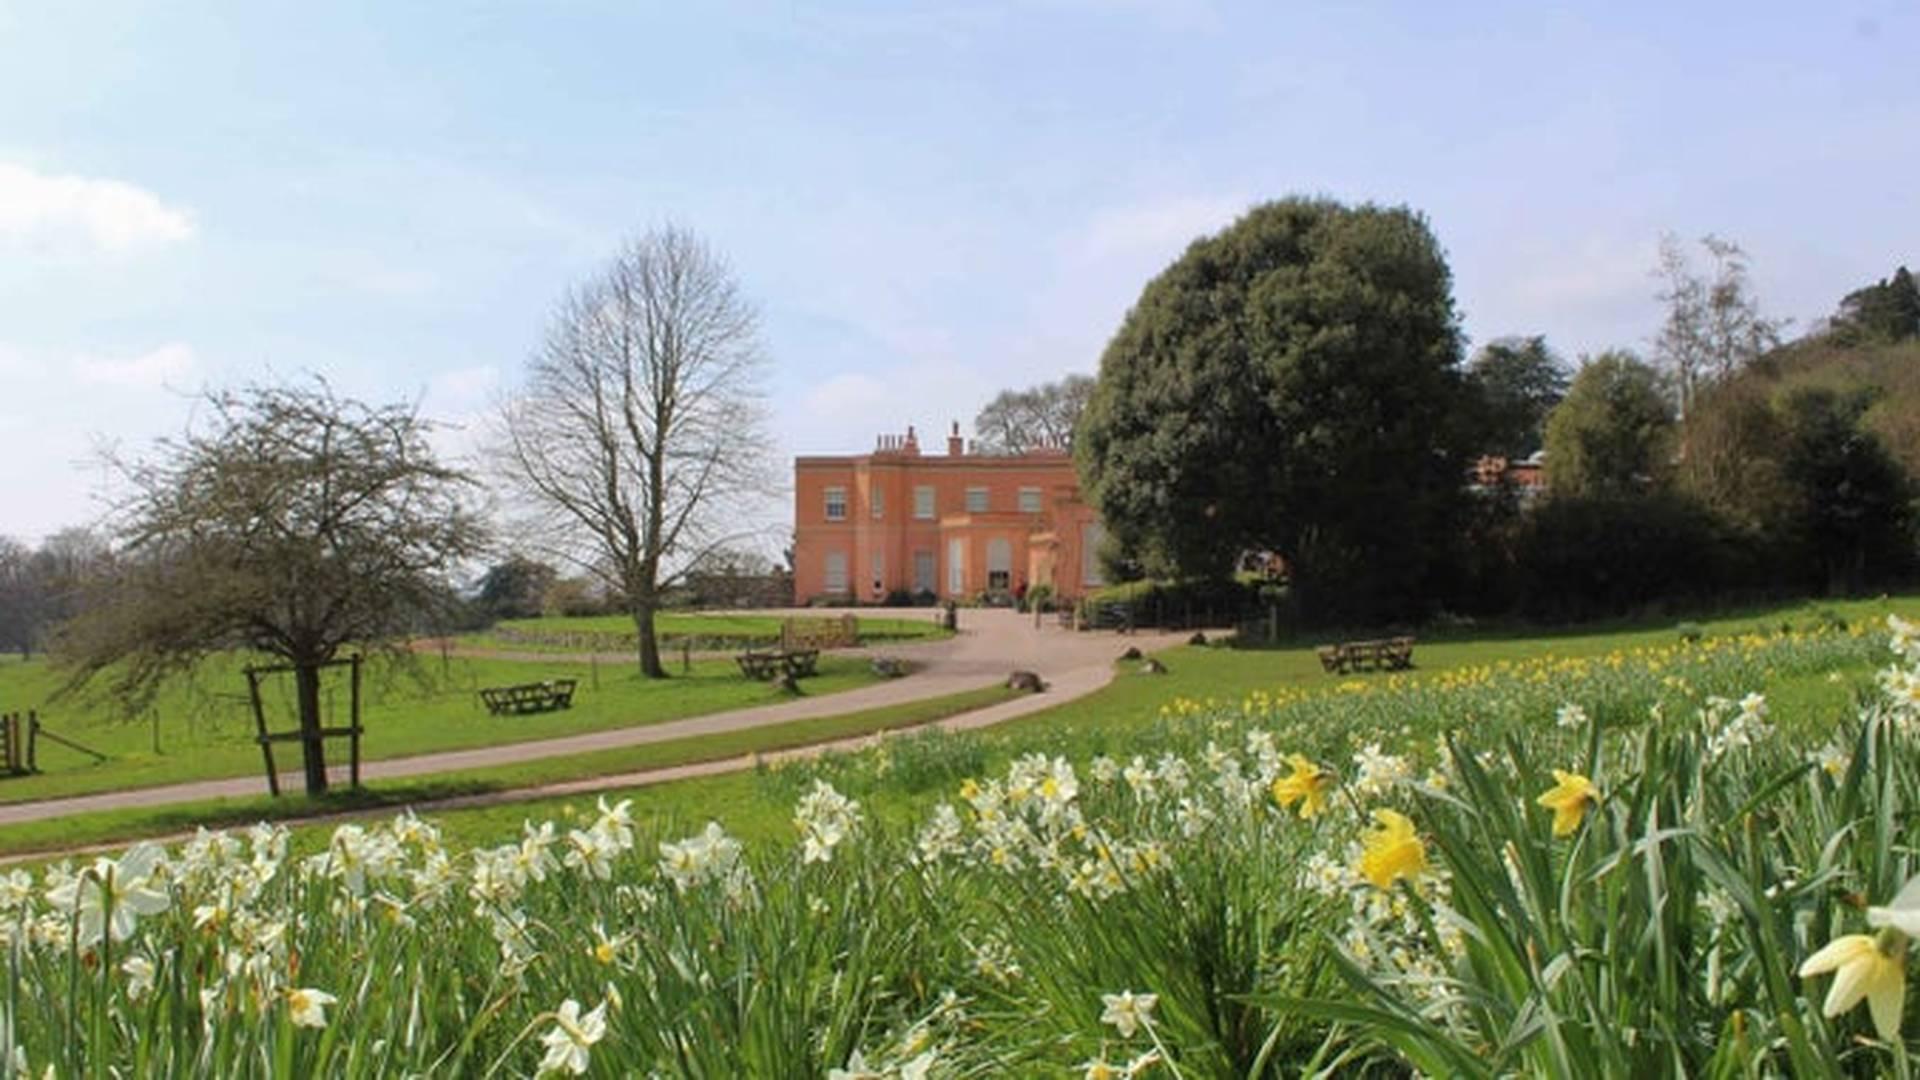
529, 697
1383, 654
795, 663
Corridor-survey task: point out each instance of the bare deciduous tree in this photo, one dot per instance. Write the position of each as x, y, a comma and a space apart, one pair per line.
20, 598
638, 442
1016, 421
1714, 326
293, 522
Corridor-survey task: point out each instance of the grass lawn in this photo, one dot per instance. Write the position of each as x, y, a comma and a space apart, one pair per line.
752, 806
205, 730
758, 806
1229, 674
700, 630
99, 827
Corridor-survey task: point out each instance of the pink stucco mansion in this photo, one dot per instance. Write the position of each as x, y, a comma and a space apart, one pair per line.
955, 525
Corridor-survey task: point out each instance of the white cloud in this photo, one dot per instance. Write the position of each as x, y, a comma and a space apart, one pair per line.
149, 370
844, 413
463, 390
45, 211
1600, 269
844, 397
1160, 230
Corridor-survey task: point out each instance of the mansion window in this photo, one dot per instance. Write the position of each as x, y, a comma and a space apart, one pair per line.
999, 565
836, 504
976, 500
836, 571
1029, 500
923, 503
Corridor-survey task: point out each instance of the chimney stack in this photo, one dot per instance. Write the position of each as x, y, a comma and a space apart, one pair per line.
956, 446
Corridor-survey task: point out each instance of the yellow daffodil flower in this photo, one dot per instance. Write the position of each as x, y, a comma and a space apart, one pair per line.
1307, 785
1391, 850
1865, 966
1571, 797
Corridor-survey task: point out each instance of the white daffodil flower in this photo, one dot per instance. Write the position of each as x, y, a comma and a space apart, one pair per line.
572, 1037
1127, 1011
307, 1007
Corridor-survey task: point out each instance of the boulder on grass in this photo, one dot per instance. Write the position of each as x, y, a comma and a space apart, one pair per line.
1132, 653
1027, 681
1153, 667
1199, 638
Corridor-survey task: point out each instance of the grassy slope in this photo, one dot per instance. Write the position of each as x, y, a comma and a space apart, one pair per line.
1230, 674
755, 808
206, 731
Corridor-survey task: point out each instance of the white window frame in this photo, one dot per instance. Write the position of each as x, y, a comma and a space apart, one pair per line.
836, 561
836, 496
999, 564
923, 507
1030, 500
879, 572
877, 498
978, 500
930, 562
956, 567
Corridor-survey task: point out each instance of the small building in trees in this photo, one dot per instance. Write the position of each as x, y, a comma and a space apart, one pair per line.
1527, 475
954, 526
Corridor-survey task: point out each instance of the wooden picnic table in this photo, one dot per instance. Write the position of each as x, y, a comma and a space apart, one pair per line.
1381, 654
795, 663
529, 697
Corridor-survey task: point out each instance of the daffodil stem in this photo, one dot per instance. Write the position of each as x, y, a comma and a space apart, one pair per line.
517, 1040
1160, 1046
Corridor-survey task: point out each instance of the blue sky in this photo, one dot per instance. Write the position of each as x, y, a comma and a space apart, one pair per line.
928, 202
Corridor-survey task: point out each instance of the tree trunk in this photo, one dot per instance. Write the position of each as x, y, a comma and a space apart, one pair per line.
649, 643
306, 679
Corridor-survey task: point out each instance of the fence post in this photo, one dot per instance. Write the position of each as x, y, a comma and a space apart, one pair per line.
9, 724
33, 740
260, 725
354, 722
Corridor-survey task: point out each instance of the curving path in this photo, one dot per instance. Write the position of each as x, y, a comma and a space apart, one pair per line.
991, 642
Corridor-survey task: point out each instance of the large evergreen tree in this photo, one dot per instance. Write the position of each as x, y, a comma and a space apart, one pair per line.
1290, 384
1886, 311
1853, 515
1516, 382
1612, 437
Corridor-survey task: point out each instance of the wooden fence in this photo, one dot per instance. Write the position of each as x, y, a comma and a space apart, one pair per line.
20, 735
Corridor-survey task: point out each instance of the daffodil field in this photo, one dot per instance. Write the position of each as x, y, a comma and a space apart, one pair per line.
1626, 865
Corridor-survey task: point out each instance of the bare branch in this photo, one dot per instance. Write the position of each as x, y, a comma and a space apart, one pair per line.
640, 427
